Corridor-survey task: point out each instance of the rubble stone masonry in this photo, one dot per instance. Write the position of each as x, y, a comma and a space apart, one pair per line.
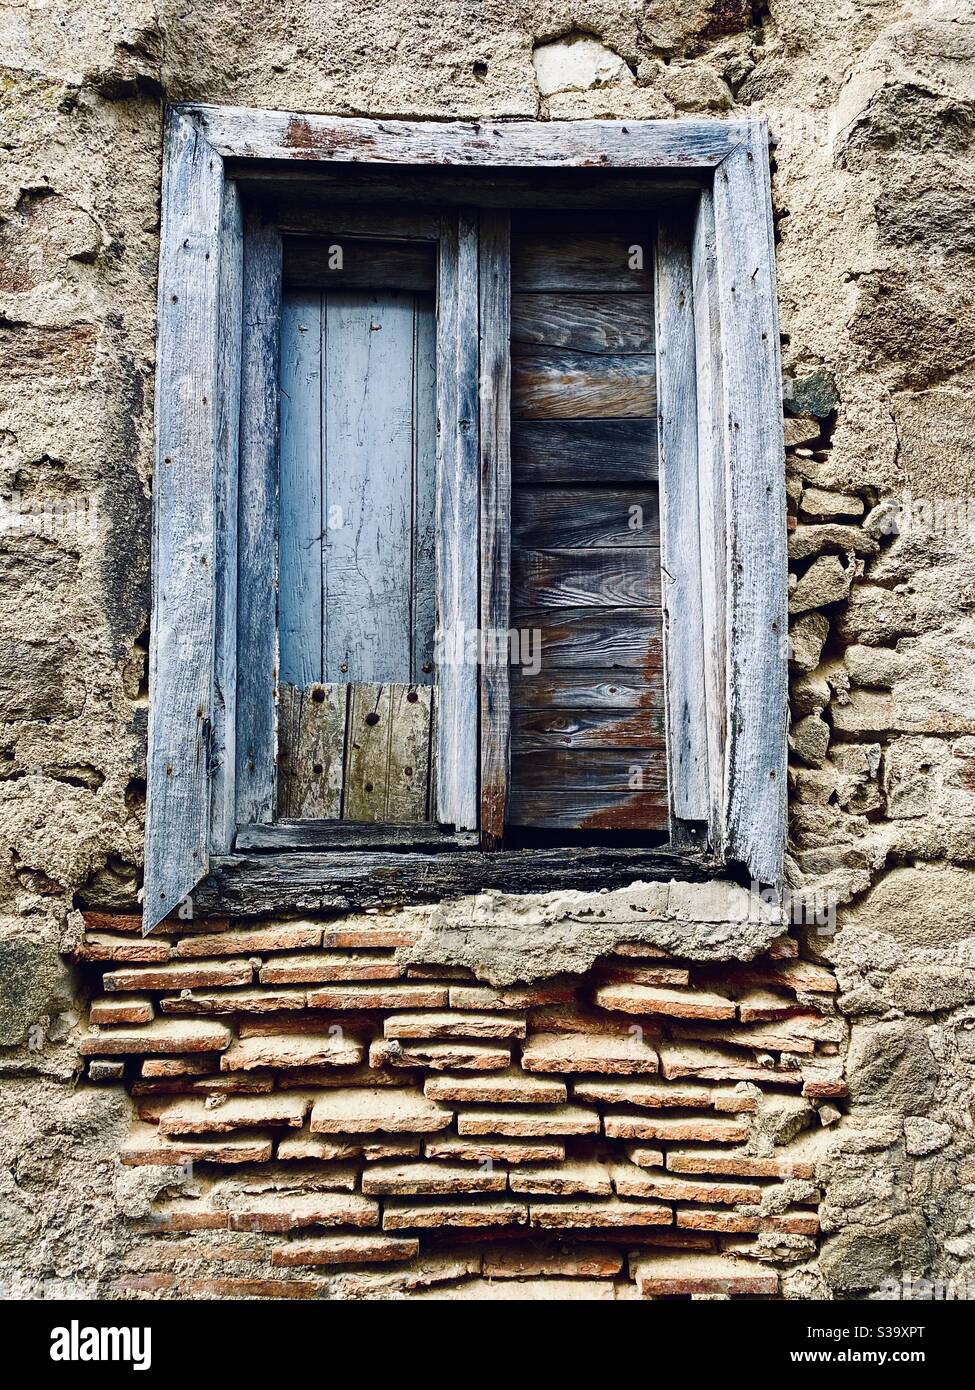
667, 1090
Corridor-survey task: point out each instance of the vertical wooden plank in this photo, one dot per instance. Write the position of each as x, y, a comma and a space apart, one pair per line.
223, 821
257, 654
680, 558
300, 489
409, 754
757, 565
457, 521
368, 452
495, 450
181, 665
311, 750
424, 595
712, 485
367, 753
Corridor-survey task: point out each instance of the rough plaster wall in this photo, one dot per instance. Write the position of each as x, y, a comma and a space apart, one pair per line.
873, 108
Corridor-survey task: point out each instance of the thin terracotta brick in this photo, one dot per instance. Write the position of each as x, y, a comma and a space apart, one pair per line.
644, 1157
439, 1056
160, 1036
406, 1214
101, 946
123, 1008
574, 1177
316, 969
395, 995
290, 1211
345, 1248
254, 942
144, 1283
356, 938
241, 1112
645, 999
738, 1165
249, 1288
220, 1084
453, 1025
514, 997
685, 1060
306, 1146
763, 1006
359, 1110
648, 1095
502, 1088
658, 1276
235, 1001
201, 974
145, 1146
524, 1261
825, 1088
599, 1215
798, 1224
101, 1070
627, 972
489, 1150
630, 1180
529, 1122
293, 1050
707, 1130
187, 1216
588, 1052
429, 1179
180, 1066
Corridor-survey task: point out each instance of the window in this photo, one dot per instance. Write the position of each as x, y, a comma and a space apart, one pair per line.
469, 522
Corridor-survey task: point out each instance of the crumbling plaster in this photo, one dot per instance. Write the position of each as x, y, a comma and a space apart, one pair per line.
872, 109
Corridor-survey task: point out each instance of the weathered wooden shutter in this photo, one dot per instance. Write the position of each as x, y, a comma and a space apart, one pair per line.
197, 377
587, 732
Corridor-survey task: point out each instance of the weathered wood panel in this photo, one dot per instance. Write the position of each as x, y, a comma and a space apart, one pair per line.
311, 750
599, 252
495, 446
556, 384
594, 452
458, 521
566, 518
589, 810
181, 663
341, 262
300, 489
600, 323
408, 776
680, 542
585, 637
279, 135
589, 689
757, 565
257, 638
622, 770
337, 835
545, 730
424, 558
592, 578
367, 752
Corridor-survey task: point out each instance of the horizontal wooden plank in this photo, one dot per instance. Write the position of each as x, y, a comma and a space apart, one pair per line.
547, 730
562, 518
588, 689
593, 810
300, 209
339, 262
620, 770
584, 322
328, 834
583, 451
584, 637
556, 384
245, 132
598, 251
587, 578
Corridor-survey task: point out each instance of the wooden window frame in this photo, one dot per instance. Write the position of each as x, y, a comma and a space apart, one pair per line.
723, 535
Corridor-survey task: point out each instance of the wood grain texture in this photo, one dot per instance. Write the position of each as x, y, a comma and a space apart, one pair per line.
586, 578
620, 770
594, 452
712, 507
279, 135
557, 384
495, 447
336, 835
367, 752
223, 817
300, 489
547, 730
600, 252
423, 563
311, 750
458, 522
590, 809
680, 535
181, 663
563, 519
599, 323
590, 689
257, 647
408, 773
757, 565
340, 262
587, 637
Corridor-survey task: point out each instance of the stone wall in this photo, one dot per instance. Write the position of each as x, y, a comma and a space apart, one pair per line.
872, 108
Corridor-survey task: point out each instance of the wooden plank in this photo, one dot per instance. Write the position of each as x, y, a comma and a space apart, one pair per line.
556, 384
495, 445
595, 251
757, 564
368, 452
586, 578
712, 485
583, 451
181, 661
299, 208
546, 730
340, 262
456, 755
408, 777
257, 647
336, 835
561, 519
586, 637
590, 769
589, 689
311, 750
300, 489
600, 323
589, 810
251, 134
424, 569
303, 881
680, 535
367, 752
223, 814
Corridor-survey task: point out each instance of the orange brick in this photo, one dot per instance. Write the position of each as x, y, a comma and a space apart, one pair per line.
659, 1276
179, 975
235, 1001
717, 1130
160, 1036
588, 1052
395, 995
345, 1248
529, 1122
292, 1050
124, 1008
359, 1110
645, 999
490, 1150
254, 942
406, 1214
524, 1261
430, 1179
439, 1056
453, 1024
503, 1088
289, 1211
600, 1215
314, 969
